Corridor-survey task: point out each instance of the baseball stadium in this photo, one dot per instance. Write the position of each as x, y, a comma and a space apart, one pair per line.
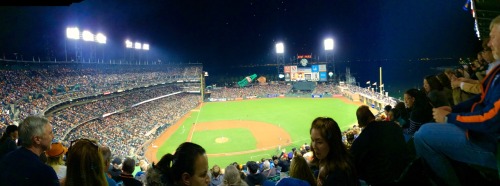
169, 93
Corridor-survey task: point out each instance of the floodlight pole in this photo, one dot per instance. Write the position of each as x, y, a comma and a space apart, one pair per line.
65, 51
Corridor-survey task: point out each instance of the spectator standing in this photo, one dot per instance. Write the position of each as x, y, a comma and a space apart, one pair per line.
23, 166
330, 154
55, 159
85, 164
188, 166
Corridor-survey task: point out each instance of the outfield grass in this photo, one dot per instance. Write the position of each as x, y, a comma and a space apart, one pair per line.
240, 139
294, 115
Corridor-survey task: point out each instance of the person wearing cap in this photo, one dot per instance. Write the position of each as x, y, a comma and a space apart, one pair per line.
55, 159
8, 140
115, 169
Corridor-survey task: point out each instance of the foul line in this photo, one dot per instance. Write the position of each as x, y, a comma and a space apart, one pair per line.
195, 122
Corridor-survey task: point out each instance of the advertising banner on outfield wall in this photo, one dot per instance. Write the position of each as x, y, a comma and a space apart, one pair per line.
322, 68
322, 76
287, 69
314, 68
287, 76
293, 69
315, 76
294, 76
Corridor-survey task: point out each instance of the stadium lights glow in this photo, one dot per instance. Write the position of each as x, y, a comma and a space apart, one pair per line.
280, 49
137, 45
128, 44
87, 36
100, 38
329, 44
145, 46
72, 33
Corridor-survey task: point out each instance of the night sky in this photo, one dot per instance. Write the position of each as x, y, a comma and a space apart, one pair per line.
233, 32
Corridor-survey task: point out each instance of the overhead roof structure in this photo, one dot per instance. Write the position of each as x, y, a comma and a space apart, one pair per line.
483, 11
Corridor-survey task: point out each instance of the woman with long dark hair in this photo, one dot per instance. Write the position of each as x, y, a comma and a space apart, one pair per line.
188, 166
434, 92
420, 111
330, 154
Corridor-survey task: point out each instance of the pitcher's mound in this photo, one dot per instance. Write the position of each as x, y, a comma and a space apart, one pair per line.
221, 140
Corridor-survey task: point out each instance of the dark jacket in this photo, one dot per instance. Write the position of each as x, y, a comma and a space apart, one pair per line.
420, 113
7, 146
479, 115
380, 153
255, 179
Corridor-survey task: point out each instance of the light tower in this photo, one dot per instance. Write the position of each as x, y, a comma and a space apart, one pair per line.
329, 45
74, 34
280, 59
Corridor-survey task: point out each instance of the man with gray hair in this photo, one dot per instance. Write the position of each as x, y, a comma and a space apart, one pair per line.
23, 166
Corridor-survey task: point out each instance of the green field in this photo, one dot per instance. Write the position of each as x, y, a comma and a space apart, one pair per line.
240, 139
294, 115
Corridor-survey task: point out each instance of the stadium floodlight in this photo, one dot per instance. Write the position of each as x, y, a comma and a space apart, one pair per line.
280, 49
329, 44
87, 36
145, 46
128, 44
138, 45
100, 38
72, 33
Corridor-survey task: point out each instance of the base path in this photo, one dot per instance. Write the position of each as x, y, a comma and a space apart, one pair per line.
268, 136
151, 151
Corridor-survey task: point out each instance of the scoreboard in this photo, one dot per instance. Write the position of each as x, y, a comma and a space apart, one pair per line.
307, 73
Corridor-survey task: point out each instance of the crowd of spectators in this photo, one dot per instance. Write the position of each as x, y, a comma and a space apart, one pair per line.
447, 140
84, 110
329, 89
253, 90
31, 91
125, 132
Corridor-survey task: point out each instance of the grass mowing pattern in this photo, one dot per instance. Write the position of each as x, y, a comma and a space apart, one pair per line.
292, 114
